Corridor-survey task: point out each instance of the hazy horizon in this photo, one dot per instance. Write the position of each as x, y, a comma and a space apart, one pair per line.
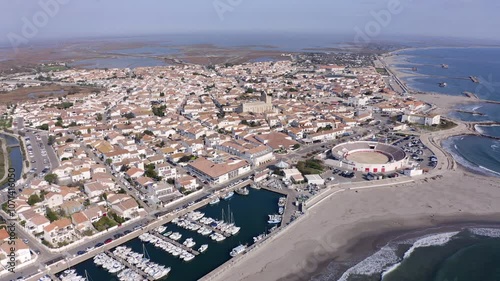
22, 23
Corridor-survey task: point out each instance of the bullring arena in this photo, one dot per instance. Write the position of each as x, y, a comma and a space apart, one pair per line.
369, 156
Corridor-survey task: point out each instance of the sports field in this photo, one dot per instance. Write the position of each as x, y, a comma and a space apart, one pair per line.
368, 157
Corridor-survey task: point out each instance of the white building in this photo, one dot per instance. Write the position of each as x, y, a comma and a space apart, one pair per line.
427, 120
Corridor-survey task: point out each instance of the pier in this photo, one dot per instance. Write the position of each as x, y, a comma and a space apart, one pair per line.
127, 264
180, 245
474, 79
470, 95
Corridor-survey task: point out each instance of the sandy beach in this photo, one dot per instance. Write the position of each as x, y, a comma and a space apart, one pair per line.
333, 226
355, 217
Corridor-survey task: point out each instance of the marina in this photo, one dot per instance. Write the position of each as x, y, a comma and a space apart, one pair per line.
254, 228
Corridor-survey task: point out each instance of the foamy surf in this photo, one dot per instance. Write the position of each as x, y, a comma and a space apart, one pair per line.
487, 232
374, 264
431, 240
426, 241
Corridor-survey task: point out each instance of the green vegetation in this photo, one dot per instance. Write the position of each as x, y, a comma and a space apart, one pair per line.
43, 127
326, 128
59, 122
51, 140
129, 115
5, 122
33, 199
251, 123
187, 158
310, 166
51, 215
382, 71
296, 146
64, 105
51, 178
104, 223
151, 172
98, 117
2, 162
116, 218
159, 110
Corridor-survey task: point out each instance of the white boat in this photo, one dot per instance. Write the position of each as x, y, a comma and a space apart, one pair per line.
282, 202
175, 236
255, 186
160, 229
243, 191
259, 237
281, 210
273, 219
228, 195
215, 201
189, 243
238, 250
203, 248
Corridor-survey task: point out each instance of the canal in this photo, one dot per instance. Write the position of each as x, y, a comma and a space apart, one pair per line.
15, 156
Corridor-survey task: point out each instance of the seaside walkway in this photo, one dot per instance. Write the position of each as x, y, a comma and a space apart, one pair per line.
129, 265
166, 239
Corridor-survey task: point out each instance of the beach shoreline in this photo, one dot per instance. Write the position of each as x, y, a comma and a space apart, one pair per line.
330, 230
355, 253
351, 225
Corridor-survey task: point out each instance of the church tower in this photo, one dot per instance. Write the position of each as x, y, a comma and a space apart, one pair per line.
265, 98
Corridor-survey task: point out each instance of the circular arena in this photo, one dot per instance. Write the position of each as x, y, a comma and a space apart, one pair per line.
369, 156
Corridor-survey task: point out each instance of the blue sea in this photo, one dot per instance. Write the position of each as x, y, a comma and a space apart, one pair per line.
462, 63
467, 254
481, 154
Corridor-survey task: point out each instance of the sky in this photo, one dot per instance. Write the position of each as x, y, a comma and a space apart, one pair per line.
22, 21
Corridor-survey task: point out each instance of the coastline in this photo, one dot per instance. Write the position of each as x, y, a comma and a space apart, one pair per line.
351, 225
342, 220
355, 252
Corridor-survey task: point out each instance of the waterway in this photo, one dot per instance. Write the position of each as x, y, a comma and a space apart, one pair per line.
250, 213
15, 156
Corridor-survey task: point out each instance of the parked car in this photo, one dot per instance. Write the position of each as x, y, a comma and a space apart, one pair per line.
107, 241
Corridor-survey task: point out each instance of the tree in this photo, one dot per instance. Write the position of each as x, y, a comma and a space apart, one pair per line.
296, 146
51, 215
51, 140
162, 94
99, 117
43, 127
51, 178
109, 161
148, 132
33, 199
129, 115
171, 181
185, 158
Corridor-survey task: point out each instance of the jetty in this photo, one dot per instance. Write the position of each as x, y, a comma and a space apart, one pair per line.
470, 95
474, 79
166, 239
470, 112
131, 266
